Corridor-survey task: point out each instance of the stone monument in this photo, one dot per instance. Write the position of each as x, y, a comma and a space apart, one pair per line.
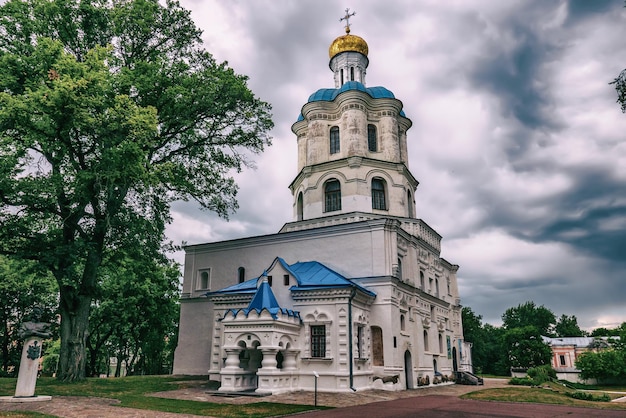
32, 332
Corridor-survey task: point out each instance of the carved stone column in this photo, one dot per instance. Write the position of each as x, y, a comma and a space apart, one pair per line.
269, 357
289, 363
232, 358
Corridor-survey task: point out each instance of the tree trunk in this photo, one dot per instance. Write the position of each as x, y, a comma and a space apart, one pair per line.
74, 309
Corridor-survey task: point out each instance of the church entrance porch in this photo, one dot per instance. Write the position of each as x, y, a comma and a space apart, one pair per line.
240, 367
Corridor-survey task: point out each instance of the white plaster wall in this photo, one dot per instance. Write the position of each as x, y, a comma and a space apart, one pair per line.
195, 333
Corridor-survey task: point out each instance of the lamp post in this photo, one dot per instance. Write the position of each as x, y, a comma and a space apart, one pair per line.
316, 376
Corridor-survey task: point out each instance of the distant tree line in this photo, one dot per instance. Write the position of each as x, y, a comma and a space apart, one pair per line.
518, 343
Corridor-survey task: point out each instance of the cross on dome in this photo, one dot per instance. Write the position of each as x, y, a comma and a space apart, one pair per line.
347, 19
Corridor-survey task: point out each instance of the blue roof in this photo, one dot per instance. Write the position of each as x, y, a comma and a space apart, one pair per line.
264, 299
328, 95
308, 275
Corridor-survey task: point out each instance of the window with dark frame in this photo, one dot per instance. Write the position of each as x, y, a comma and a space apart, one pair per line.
318, 341
334, 140
378, 194
269, 280
372, 140
241, 273
359, 341
286, 280
562, 360
332, 196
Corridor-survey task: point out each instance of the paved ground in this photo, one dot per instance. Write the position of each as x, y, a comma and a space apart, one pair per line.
439, 401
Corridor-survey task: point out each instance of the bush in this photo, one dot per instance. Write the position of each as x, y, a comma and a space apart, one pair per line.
521, 381
586, 396
542, 374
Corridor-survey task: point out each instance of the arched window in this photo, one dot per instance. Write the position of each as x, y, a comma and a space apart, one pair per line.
299, 207
334, 140
378, 194
372, 140
409, 204
241, 272
402, 324
440, 343
426, 341
332, 196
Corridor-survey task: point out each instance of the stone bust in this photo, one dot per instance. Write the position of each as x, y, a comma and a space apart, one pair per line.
34, 327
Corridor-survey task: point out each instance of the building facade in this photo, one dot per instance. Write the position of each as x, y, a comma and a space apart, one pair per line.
354, 289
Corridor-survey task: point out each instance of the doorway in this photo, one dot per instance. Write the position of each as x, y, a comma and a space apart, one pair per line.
408, 370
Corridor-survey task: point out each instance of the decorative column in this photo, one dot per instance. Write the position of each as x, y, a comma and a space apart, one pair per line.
232, 358
269, 357
267, 374
289, 363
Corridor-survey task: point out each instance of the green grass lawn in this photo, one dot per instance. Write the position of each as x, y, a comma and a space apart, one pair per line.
550, 393
131, 392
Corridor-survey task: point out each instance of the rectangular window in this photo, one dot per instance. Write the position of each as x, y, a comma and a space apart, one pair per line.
318, 341
286, 280
269, 280
359, 341
334, 140
562, 359
372, 141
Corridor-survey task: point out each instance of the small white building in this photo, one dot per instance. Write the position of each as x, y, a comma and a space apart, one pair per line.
354, 288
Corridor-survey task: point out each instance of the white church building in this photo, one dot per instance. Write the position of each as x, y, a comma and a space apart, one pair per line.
353, 292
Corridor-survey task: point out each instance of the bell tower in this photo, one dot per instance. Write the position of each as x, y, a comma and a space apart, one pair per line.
352, 143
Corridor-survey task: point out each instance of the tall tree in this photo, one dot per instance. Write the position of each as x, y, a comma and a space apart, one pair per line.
109, 111
525, 347
528, 314
567, 326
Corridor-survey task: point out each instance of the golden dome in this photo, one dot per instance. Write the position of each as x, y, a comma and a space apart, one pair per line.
348, 42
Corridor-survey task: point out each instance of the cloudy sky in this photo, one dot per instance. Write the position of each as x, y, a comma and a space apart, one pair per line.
517, 139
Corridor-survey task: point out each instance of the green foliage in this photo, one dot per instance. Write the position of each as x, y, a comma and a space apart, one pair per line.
143, 337
528, 314
541, 374
23, 285
586, 396
109, 112
487, 344
51, 358
608, 364
567, 326
525, 347
522, 381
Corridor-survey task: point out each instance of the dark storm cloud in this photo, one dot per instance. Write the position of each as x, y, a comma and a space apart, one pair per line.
511, 75
578, 10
